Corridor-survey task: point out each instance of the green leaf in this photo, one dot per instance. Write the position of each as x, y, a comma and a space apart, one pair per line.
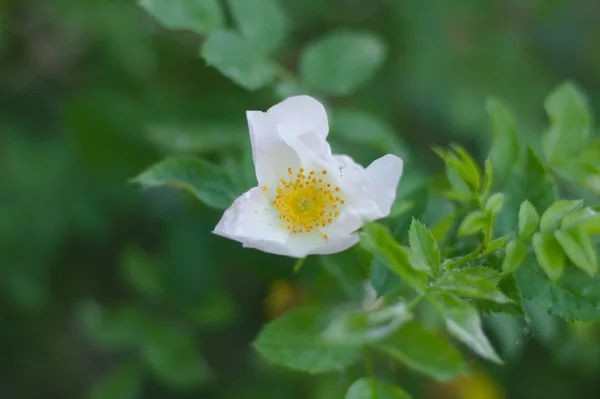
342, 62
370, 388
464, 166
205, 181
424, 249
496, 244
508, 285
295, 341
494, 204
570, 123
120, 328
574, 297
516, 252
262, 22
200, 16
472, 224
488, 178
578, 247
348, 269
472, 174
551, 219
528, 219
384, 280
359, 327
377, 240
473, 282
172, 354
235, 58
505, 146
123, 382
549, 254
463, 322
587, 219
141, 272
424, 351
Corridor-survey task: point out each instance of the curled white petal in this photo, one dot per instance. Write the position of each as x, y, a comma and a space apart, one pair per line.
384, 174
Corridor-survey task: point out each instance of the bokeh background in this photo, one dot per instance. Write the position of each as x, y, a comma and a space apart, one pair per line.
108, 291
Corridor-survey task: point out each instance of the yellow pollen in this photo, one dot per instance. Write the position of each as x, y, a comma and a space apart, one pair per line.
305, 203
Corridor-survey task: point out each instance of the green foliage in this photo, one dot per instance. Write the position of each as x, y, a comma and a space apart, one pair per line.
505, 147
578, 247
423, 351
424, 250
369, 388
472, 224
528, 219
551, 219
294, 340
494, 204
473, 282
342, 62
123, 382
549, 254
516, 251
200, 16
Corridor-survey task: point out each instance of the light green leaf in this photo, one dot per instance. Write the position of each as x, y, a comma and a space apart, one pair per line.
528, 219
488, 178
424, 351
295, 340
472, 174
574, 297
494, 204
578, 247
570, 123
463, 173
370, 388
472, 224
586, 219
496, 244
377, 240
205, 181
463, 322
424, 248
551, 219
262, 22
342, 62
123, 382
516, 252
141, 272
235, 58
505, 146
473, 282
200, 16
549, 254
359, 327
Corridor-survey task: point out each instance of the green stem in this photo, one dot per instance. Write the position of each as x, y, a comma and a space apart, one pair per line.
454, 263
298, 265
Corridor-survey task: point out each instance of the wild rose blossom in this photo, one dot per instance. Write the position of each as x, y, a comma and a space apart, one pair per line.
308, 201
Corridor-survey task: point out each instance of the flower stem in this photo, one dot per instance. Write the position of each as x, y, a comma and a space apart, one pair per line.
298, 265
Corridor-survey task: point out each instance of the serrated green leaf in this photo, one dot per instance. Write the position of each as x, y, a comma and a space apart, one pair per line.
509, 287
579, 249
262, 22
295, 340
528, 219
205, 181
494, 204
549, 254
505, 146
473, 282
377, 240
574, 297
552, 217
472, 224
235, 58
570, 123
424, 249
516, 252
370, 388
200, 16
424, 351
463, 322
123, 382
342, 62
360, 327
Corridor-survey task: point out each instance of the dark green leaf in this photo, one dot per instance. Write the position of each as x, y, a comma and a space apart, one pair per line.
123, 382
349, 270
528, 219
205, 181
262, 22
472, 224
295, 340
384, 280
341, 62
235, 58
377, 240
549, 254
463, 322
473, 282
551, 219
141, 272
425, 252
200, 16
509, 287
505, 146
579, 249
369, 388
516, 252
424, 351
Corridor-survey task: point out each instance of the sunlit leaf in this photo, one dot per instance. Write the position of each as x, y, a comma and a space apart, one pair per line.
549, 254
369, 388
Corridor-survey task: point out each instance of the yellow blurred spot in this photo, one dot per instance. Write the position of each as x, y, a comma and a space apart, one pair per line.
282, 296
474, 386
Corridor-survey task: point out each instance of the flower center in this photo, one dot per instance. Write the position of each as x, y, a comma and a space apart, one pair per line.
306, 201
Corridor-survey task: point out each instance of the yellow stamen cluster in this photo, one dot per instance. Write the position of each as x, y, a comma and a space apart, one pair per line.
306, 201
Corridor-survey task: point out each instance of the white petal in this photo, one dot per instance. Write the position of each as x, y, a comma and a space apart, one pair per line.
301, 245
300, 115
384, 174
253, 221
332, 246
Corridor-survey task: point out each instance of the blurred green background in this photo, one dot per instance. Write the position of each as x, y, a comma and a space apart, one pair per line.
108, 291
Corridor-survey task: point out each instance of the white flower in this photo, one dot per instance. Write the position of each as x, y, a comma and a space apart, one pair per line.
308, 200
